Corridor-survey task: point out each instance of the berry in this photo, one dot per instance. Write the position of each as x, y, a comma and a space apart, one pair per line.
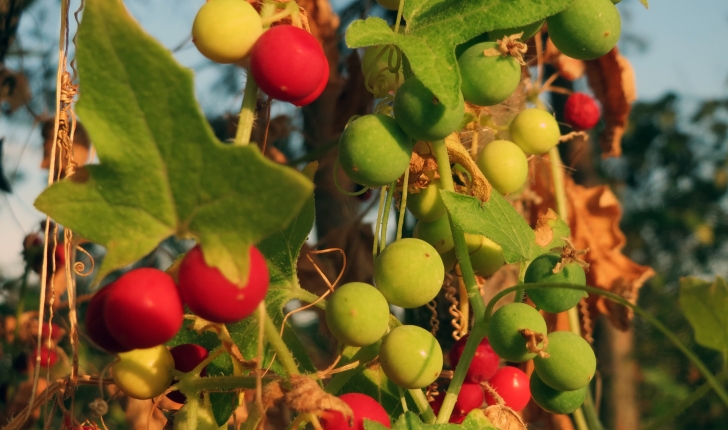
374, 151
357, 314
587, 29
512, 386
437, 233
363, 407
422, 116
504, 164
288, 63
389, 4
427, 205
528, 30
96, 324
487, 79
469, 398
571, 362
211, 296
143, 308
48, 357
486, 256
581, 112
376, 67
535, 131
225, 30
552, 299
504, 335
409, 273
205, 419
484, 363
186, 357
144, 373
410, 357
555, 401
316, 93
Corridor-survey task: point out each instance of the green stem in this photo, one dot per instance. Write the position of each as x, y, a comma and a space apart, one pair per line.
400, 9
403, 204
461, 248
579, 419
402, 400
423, 405
663, 421
518, 298
382, 197
247, 111
309, 297
590, 413
448, 403
557, 175
385, 217
697, 362
276, 342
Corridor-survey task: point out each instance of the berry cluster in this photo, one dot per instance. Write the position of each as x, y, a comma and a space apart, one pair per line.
120, 316
286, 62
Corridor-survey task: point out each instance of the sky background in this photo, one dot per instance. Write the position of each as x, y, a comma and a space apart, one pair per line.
685, 52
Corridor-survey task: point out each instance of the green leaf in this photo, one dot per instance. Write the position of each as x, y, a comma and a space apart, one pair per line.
705, 305
410, 421
476, 420
162, 170
436, 27
496, 220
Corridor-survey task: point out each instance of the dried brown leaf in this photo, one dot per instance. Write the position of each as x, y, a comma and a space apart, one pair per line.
504, 418
612, 79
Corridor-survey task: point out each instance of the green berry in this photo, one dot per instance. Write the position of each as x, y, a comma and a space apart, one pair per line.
554, 299
357, 314
374, 151
486, 256
389, 4
535, 131
409, 273
571, 362
376, 65
504, 164
555, 401
422, 116
487, 79
437, 233
427, 205
410, 357
504, 335
587, 29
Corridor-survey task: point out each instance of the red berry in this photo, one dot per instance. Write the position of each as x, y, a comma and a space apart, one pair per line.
48, 357
581, 112
469, 398
484, 363
317, 92
60, 255
211, 296
457, 418
288, 64
512, 385
186, 357
96, 325
143, 308
363, 406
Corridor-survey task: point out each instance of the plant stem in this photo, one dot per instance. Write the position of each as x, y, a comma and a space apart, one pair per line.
461, 248
557, 175
448, 403
276, 342
403, 203
402, 400
518, 298
696, 361
385, 217
382, 197
423, 405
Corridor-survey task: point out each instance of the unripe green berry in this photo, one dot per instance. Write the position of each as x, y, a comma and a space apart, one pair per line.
587, 29
357, 314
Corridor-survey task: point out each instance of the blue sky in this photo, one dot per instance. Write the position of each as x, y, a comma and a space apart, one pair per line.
686, 53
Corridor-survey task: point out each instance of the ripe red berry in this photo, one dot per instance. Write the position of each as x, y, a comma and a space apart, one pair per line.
186, 357
316, 93
143, 308
469, 398
96, 324
512, 385
288, 64
210, 295
484, 363
363, 406
581, 112
48, 357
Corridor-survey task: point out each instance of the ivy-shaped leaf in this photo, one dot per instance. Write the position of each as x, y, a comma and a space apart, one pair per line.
705, 305
498, 221
436, 27
162, 170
